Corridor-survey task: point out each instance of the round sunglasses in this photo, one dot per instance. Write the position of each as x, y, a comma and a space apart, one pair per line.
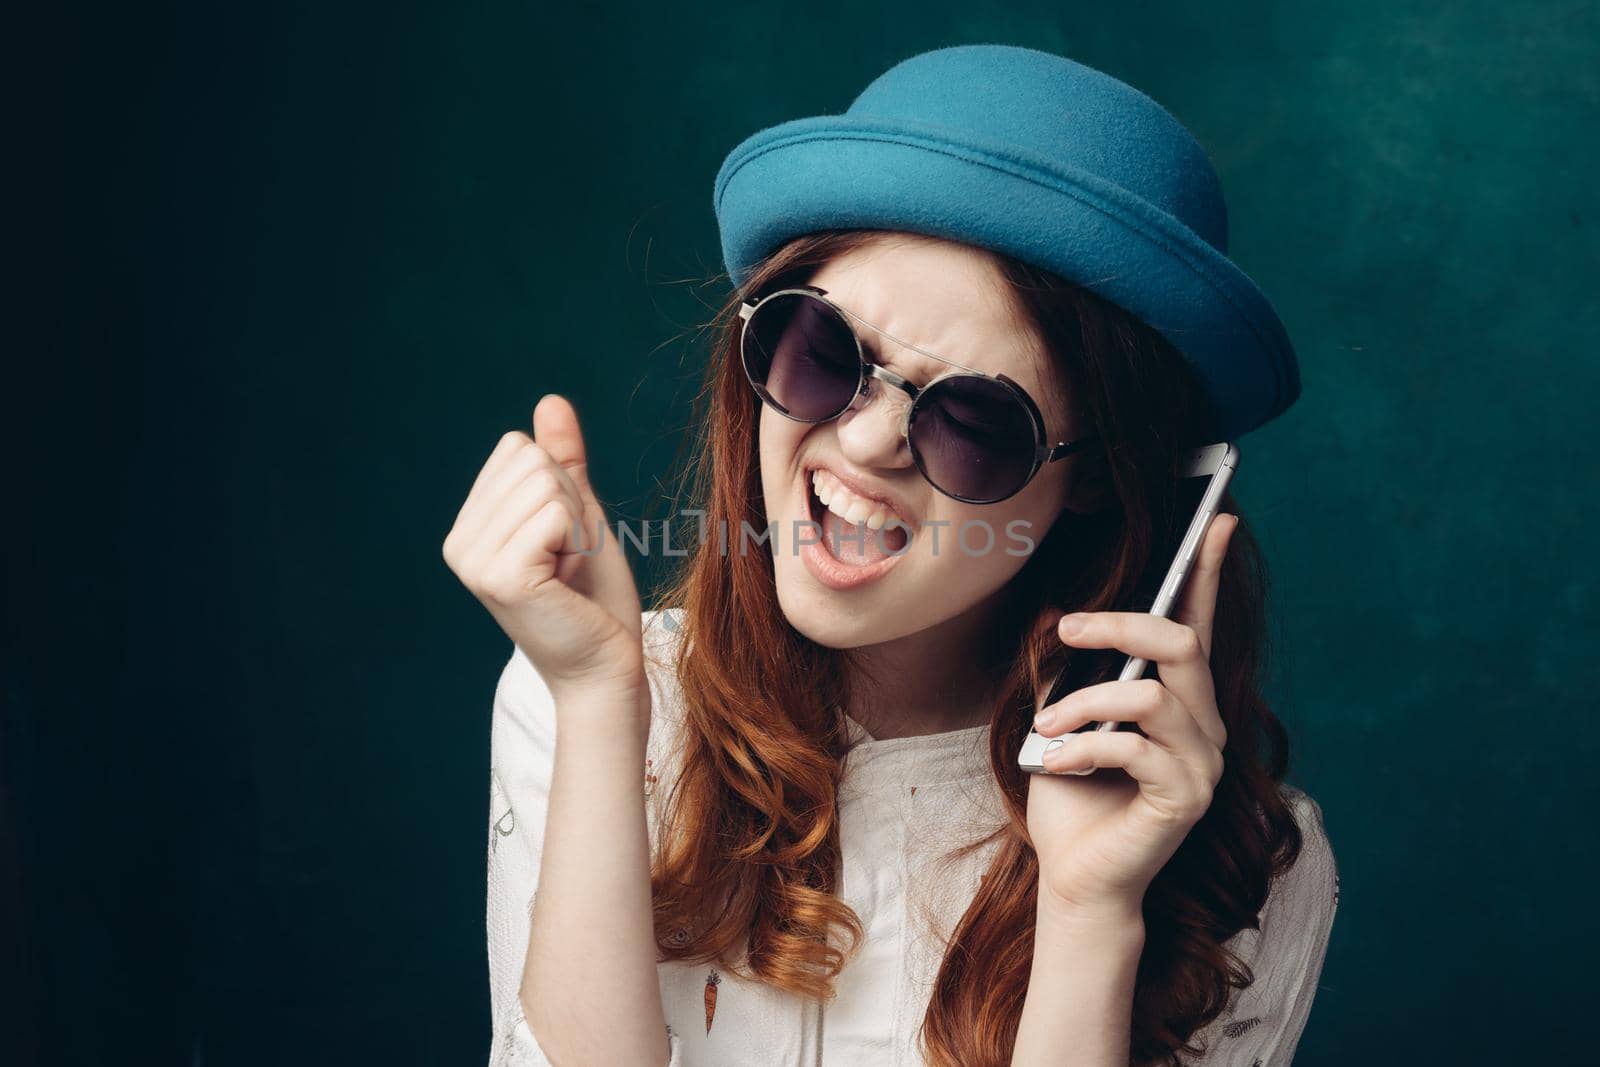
976, 437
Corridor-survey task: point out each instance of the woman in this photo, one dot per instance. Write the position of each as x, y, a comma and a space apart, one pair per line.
834, 856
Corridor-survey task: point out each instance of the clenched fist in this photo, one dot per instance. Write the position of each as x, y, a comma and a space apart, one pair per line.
533, 545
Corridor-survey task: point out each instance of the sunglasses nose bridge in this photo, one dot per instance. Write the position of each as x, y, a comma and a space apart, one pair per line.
875, 379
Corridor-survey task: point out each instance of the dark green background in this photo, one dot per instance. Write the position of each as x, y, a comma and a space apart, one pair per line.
321, 256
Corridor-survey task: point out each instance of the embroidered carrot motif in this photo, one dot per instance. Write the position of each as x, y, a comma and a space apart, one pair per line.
913, 790
505, 824
713, 979
502, 828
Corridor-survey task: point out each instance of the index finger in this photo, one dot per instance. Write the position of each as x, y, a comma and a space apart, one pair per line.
1199, 606
470, 515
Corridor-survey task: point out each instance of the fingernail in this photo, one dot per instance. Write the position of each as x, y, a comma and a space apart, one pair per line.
1072, 625
1061, 747
1044, 720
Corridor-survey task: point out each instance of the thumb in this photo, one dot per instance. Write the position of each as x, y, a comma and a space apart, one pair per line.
556, 430
606, 577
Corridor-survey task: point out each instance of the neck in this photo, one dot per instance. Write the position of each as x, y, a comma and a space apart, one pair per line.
932, 681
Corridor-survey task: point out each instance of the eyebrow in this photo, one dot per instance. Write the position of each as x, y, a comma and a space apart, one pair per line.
875, 346
872, 344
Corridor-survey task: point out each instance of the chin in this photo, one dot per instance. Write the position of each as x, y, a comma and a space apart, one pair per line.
821, 616
833, 627
864, 617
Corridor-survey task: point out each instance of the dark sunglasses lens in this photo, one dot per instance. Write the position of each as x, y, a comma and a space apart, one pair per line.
803, 353
973, 438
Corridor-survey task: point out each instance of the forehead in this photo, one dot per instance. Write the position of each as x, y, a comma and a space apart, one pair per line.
942, 296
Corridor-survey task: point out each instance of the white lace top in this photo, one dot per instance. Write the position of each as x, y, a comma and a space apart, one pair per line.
904, 802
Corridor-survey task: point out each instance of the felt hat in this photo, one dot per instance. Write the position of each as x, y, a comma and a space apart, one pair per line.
1045, 159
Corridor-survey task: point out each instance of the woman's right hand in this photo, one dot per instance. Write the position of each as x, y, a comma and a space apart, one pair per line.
532, 544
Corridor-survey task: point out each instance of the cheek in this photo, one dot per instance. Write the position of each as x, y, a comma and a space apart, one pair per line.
1034, 510
981, 548
777, 446
778, 437
1031, 521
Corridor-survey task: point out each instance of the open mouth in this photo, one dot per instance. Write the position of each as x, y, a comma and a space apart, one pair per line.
854, 544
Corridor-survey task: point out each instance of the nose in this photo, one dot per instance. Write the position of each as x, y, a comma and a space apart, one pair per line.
872, 431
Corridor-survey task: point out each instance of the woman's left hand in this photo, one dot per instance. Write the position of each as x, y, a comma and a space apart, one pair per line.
1102, 838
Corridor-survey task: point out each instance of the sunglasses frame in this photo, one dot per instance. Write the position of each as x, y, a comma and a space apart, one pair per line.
1042, 453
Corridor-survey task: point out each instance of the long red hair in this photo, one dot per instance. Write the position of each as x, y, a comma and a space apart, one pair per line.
752, 862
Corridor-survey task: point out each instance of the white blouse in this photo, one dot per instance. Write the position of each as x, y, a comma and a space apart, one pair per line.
904, 802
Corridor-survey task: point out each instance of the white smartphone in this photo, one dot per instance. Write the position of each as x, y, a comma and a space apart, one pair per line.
1205, 475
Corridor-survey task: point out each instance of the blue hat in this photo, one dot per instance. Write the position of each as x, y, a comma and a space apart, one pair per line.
1040, 157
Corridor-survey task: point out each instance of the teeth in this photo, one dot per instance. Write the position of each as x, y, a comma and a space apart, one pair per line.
845, 504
